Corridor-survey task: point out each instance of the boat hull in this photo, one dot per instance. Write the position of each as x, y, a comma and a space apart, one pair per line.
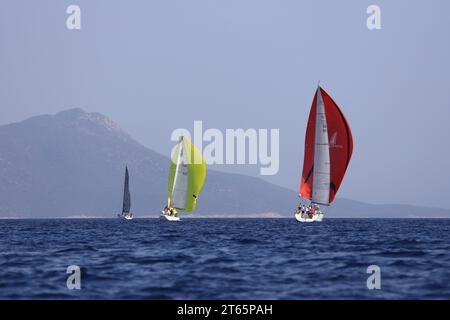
168, 217
128, 216
315, 218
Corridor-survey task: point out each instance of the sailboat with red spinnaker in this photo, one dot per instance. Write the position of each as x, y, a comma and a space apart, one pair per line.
328, 150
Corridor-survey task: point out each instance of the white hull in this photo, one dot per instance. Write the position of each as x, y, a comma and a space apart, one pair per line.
315, 218
168, 217
128, 216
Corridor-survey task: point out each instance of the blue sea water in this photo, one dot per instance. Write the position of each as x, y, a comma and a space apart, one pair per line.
225, 259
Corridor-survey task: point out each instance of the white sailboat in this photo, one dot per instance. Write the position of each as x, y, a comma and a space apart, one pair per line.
186, 178
328, 149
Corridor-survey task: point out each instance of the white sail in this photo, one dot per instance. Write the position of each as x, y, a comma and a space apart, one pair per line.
321, 173
180, 183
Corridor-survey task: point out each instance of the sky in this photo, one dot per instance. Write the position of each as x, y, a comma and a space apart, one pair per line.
155, 66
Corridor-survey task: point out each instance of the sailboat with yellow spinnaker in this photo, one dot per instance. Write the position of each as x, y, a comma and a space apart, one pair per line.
186, 178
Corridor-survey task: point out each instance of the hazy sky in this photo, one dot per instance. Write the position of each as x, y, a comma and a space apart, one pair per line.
153, 66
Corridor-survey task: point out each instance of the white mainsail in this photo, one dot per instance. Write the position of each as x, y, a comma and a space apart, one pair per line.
180, 184
321, 173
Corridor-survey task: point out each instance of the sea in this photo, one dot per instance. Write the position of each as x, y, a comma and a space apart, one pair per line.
225, 259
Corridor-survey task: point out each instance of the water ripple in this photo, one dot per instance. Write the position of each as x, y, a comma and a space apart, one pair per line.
225, 259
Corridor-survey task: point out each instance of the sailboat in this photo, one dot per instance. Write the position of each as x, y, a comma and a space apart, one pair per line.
328, 149
126, 214
186, 178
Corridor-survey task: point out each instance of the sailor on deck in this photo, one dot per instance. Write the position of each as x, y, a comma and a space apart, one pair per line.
311, 210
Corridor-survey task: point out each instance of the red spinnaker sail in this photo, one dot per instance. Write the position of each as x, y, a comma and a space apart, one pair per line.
340, 146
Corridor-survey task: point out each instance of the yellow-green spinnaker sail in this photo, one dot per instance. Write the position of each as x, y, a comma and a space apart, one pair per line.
186, 177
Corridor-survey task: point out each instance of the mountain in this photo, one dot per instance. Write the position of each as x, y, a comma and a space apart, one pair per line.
345, 208
72, 164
